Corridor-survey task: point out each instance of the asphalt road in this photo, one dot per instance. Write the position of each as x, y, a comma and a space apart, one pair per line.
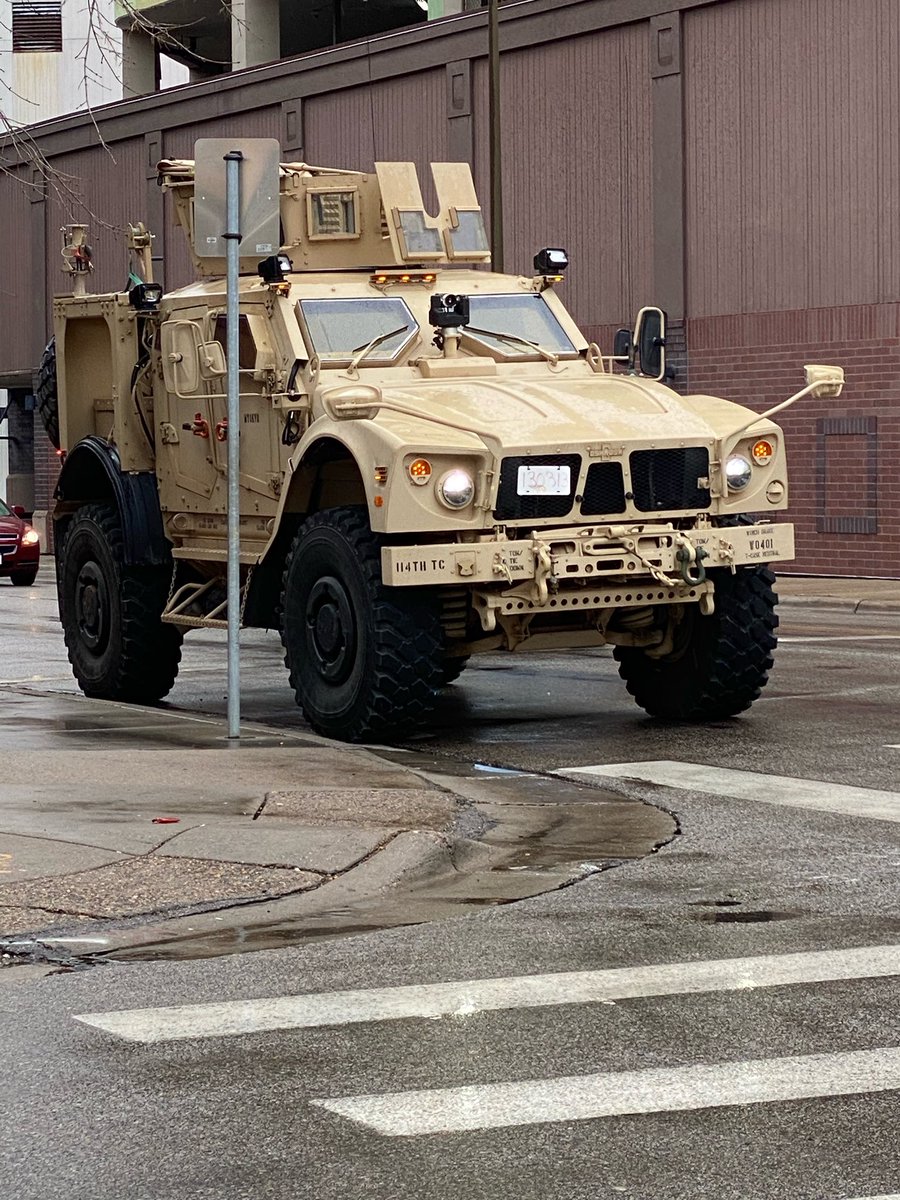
668, 1068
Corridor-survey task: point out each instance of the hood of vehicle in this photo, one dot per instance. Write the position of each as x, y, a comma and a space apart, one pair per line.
527, 412
11, 524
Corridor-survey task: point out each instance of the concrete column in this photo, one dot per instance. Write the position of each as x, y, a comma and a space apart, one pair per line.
140, 63
255, 32
19, 425
4, 443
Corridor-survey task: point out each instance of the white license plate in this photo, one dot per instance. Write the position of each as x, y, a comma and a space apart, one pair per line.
542, 480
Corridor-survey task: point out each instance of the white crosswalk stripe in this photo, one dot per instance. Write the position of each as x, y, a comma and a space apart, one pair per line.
464, 998
749, 785
571, 1098
588, 1097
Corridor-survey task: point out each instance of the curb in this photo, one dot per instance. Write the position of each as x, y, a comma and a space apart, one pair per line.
840, 604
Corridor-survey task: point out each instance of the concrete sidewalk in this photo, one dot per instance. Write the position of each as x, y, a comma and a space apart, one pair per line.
842, 594
133, 830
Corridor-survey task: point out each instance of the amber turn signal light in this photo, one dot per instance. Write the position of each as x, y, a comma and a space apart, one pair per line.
419, 471
762, 452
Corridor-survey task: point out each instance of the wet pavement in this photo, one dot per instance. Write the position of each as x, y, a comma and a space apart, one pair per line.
138, 832
143, 832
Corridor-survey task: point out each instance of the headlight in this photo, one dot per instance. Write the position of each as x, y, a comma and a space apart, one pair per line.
737, 473
30, 537
456, 489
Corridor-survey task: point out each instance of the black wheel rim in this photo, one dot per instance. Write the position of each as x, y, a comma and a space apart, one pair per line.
331, 629
92, 607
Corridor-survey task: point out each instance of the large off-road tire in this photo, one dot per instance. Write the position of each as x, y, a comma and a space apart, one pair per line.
720, 663
24, 578
118, 646
365, 660
453, 668
45, 393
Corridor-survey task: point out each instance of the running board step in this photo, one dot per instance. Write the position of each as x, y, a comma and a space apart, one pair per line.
192, 595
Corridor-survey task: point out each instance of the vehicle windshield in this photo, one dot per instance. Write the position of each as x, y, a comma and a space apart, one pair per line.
339, 329
4, 511
525, 317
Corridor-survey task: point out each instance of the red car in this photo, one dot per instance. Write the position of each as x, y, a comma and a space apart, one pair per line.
20, 546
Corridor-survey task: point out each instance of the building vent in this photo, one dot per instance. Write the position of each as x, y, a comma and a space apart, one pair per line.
37, 26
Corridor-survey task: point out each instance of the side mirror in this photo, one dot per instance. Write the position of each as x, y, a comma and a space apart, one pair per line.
825, 382
211, 359
18, 511
181, 368
623, 346
650, 339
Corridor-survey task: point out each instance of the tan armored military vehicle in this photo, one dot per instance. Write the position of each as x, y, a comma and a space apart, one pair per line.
435, 463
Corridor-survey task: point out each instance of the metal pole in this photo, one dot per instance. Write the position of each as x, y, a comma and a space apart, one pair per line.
495, 149
232, 237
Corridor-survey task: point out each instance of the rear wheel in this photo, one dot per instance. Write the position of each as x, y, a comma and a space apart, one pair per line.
45, 393
365, 660
720, 663
118, 646
24, 578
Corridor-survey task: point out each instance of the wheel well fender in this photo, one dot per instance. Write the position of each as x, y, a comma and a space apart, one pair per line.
326, 474
91, 473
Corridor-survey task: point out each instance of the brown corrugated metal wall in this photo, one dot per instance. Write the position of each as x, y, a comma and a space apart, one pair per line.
112, 184
577, 159
791, 153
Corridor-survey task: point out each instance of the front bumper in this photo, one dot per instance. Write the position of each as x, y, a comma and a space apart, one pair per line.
625, 554
19, 558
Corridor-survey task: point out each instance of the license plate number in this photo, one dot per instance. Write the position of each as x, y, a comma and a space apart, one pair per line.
542, 480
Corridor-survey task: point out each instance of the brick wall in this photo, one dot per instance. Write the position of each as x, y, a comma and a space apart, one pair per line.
46, 471
842, 454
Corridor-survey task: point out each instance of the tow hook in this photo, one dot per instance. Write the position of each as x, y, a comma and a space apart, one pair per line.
199, 427
690, 563
222, 430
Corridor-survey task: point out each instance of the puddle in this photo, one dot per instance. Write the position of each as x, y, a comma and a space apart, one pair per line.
746, 916
514, 835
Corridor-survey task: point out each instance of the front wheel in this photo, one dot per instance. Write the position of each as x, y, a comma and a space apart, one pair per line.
118, 646
719, 664
24, 578
365, 660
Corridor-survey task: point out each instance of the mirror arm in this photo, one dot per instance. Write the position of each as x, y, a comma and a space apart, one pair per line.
770, 412
821, 381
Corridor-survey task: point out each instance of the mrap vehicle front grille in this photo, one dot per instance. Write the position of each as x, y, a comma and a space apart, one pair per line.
668, 480
604, 490
513, 507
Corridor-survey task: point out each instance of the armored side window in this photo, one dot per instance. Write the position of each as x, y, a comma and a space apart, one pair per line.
332, 214
246, 344
420, 240
467, 234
